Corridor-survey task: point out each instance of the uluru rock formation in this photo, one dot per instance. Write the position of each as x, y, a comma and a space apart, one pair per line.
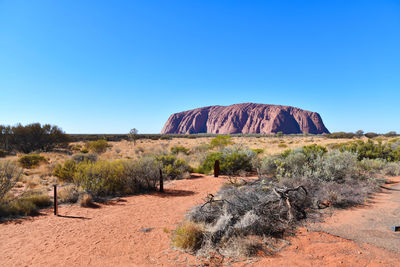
245, 118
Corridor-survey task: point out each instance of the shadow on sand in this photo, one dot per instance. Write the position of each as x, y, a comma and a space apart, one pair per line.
174, 193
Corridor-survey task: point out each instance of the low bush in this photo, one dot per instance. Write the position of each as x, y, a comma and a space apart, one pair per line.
372, 165
232, 160
372, 150
392, 169
68, 194
98, 146
141, 175
173, 167
180, 149
314, 164
266, 208
31, 161
101, 178
118, 177
10, 174
26, 204
65, 172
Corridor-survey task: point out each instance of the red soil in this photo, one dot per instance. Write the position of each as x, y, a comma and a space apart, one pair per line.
115, 235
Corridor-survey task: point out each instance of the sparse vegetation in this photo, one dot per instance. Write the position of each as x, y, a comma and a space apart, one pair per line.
291, 185
180, 149
221, 141
98, 146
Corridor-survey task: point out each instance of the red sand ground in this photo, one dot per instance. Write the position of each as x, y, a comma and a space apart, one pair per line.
113, 235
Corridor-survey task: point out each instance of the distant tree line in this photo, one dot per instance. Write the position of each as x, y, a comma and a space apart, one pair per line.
359, 134
32, 137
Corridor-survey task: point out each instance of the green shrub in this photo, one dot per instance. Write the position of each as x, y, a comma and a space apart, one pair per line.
188, 236
232, 160
84, 150
65, 172
31, 161
10, 174
180, 149
119, 177
98, 146
141, 175
372, 150
221, 141
101, 178
172, 166
313, 151
26, 205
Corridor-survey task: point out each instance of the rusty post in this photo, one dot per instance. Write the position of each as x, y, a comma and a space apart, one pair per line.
55, 200
216, 168
161, 182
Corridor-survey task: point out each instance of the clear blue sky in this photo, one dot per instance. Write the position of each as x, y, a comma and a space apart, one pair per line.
109, 66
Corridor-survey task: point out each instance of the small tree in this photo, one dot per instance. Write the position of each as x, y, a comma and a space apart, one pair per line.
133, 135
359, 133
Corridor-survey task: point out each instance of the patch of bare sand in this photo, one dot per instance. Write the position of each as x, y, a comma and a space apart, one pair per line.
136, 232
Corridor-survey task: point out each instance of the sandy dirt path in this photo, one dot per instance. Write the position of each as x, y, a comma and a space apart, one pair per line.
112, 235
370, 224
136, 232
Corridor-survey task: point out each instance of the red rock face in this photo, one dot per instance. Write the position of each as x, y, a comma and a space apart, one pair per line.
245, 118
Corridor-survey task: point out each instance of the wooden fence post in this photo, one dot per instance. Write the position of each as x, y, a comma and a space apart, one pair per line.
161, 182
55, 200
216, 168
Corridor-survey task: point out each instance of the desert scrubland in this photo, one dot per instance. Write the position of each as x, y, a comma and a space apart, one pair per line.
271, 190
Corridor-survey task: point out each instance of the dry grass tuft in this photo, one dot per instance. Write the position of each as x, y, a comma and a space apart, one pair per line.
188, 236
87, 201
